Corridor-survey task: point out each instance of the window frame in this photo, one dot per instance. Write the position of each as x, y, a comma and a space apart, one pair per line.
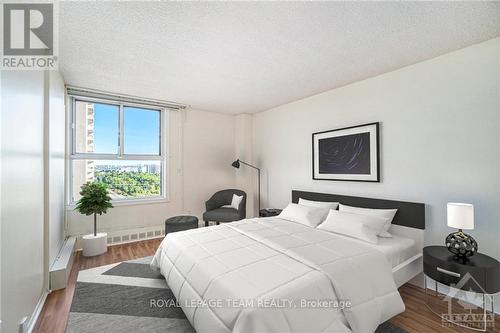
120, 155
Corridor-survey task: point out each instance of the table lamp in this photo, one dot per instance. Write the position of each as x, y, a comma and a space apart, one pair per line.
460, 216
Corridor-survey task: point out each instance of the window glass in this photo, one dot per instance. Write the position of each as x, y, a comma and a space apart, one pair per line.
119, 145
141, 131
126, 179
96, 128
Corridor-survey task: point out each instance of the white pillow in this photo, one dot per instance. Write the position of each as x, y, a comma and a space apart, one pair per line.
385, 213
364, 227
235, 202
320, 204
310, 216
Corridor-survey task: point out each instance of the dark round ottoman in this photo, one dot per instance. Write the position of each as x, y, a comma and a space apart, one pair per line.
180, 223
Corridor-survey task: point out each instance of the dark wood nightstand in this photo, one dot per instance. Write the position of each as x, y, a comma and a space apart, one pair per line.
268, 212
446, 268
478, 273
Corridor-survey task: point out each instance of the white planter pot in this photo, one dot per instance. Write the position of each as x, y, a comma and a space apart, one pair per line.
95, 245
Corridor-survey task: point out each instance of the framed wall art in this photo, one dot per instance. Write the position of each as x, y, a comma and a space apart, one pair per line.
350, 154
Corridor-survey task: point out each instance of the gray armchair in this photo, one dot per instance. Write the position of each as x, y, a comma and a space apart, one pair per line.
216, 213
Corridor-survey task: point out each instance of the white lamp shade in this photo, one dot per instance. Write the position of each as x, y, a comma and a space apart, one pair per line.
460, 215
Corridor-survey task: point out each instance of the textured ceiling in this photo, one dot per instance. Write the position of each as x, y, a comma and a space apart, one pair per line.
238, 57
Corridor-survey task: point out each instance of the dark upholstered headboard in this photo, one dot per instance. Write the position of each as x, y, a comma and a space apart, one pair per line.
410, 214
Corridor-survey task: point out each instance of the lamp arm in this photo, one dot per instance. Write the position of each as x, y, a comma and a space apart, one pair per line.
249, 165
258, 191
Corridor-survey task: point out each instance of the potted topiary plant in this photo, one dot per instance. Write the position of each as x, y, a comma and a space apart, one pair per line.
95, 200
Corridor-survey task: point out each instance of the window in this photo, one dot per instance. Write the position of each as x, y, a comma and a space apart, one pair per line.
119, 144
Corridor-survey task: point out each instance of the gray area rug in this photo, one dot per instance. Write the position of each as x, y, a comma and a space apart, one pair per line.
118, 298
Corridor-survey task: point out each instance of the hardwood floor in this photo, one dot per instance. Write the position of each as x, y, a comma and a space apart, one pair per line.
416, 319
55, 312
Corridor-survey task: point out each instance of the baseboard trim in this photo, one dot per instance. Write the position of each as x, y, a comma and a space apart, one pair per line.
117, 237
126, 243
61, 267
36, 313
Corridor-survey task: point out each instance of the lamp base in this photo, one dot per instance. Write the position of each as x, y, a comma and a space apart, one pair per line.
460, 244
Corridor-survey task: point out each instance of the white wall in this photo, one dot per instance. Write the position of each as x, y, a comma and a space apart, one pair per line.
55, 134
208, 153
201, 149
22, 187
440, 139
246, 177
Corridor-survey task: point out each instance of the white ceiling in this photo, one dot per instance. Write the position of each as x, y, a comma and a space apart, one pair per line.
245, 57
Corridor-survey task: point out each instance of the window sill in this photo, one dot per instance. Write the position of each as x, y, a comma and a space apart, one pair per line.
131, 202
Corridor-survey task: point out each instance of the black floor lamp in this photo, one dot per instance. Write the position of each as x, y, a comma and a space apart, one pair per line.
236, 164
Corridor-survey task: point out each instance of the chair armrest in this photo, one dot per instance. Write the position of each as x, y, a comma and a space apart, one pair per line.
242, 209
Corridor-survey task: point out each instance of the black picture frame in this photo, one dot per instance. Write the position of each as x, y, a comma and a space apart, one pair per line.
373, 156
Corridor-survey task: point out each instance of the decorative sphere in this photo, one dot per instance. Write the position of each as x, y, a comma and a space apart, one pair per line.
461, 246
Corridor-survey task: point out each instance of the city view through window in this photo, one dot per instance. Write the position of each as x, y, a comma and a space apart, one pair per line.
97, 131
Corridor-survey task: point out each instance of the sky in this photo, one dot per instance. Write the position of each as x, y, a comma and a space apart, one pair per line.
141, 130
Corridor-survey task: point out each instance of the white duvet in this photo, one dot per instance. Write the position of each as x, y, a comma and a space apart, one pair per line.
272, 275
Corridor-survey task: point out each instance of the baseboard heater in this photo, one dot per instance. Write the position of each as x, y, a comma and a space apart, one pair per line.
61, 268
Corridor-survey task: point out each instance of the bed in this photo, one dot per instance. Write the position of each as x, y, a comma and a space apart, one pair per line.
274, 275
